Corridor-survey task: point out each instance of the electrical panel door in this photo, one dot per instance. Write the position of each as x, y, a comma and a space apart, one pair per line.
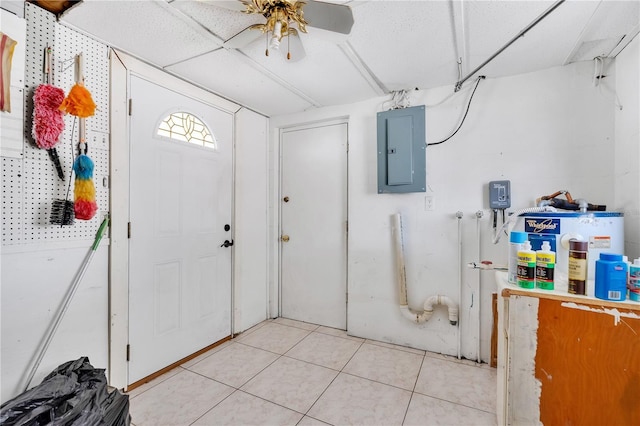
401, 150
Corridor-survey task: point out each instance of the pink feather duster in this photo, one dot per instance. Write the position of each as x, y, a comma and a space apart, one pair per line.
48, 120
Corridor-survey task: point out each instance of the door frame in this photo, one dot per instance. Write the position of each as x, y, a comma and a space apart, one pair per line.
278, 210
121, 67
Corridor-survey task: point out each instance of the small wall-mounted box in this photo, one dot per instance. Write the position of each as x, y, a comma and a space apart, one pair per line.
401, 150
500, 194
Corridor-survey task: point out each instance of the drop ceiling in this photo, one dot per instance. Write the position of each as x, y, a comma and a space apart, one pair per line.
393, 45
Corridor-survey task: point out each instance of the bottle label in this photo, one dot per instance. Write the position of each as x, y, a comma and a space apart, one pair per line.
545, 267
546, 258
524, 257
614, 295
526, 269
577, 275
577, 269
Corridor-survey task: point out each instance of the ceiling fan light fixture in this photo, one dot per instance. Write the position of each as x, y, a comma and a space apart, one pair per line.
278, 11
276, 36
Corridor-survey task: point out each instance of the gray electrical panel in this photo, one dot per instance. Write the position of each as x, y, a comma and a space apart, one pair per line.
401, 150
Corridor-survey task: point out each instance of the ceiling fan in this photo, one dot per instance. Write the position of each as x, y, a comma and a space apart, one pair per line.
282, 16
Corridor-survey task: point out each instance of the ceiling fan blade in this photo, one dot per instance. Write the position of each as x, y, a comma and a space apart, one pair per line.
243, 38
328, 16
295, 47
236, 5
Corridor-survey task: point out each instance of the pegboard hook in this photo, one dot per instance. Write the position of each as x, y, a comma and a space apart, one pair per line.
66, 64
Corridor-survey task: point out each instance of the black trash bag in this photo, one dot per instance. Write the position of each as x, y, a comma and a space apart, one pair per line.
75, 393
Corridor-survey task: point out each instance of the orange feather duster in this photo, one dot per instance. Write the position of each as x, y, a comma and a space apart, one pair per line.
79, 102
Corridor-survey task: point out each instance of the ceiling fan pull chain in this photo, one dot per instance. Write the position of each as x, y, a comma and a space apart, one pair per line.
266, 51
288, 46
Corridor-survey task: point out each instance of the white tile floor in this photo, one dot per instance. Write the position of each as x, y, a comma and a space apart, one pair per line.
284, 372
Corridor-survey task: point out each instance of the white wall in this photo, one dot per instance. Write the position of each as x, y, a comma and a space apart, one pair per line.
544, 131
35, 280
39, 261
627, 154
250, 205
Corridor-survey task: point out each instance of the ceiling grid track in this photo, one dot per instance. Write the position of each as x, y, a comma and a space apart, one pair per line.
274, 77
364, 70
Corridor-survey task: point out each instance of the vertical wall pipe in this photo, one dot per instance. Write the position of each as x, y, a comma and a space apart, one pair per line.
427, 310
479, 215
459, 215
401, 275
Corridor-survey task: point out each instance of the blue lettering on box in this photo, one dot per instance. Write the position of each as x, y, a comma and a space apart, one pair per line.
541, 226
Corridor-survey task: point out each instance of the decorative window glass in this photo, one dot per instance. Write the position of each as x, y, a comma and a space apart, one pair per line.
185, 127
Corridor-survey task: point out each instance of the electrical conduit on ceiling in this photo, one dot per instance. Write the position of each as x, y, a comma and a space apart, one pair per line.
425, 315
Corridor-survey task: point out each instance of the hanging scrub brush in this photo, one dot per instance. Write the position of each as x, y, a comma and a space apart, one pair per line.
62, 210
79, 102
48, 121
84, 206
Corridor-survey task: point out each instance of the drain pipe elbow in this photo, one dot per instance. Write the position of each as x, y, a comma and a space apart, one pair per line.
406, 312
441, 300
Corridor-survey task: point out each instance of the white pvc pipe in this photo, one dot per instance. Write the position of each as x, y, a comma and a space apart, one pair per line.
479, 215
427, 312
459, 215
425, 315
396, 230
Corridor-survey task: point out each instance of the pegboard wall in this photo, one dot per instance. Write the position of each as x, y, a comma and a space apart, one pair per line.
30, 184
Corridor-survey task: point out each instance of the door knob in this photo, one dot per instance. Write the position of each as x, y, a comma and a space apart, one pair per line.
285, 238
285, 199
227, 243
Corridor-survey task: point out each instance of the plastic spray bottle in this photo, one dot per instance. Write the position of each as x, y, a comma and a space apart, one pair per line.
527, 266
545, 267
634, 281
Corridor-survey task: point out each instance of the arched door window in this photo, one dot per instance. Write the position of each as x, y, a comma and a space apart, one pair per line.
185, 127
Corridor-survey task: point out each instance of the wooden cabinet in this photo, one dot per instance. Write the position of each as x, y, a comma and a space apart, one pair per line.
565, 359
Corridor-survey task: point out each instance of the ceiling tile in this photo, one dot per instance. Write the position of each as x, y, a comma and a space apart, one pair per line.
610, 22
325, 74
231, 76
546, 45
149, 29
221, 21
406, 44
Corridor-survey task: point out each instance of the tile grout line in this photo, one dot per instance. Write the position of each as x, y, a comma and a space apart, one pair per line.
156, 384
360, 345
238, 389
455, 403
394, 347
334, 379
296, 327
376, 381
413, 391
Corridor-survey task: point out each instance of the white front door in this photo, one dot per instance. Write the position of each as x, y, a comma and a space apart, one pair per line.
314, 224
180, 202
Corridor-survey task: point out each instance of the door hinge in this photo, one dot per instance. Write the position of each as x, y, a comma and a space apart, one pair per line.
130, 105
129, 230
347, 225
128, 352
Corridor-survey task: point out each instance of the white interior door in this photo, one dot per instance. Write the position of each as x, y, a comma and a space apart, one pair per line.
313, 221
180, 202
